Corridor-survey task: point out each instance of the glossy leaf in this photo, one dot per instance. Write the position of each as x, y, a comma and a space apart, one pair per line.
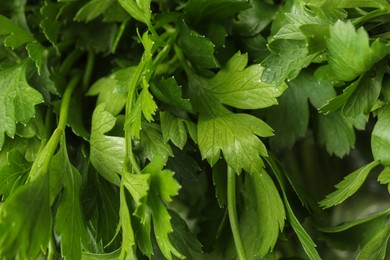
17, 100
343, 44
107, 152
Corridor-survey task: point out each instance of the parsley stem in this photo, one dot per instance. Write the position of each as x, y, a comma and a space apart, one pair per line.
88, 71
130, 157
48, 151
69, 61
231, 202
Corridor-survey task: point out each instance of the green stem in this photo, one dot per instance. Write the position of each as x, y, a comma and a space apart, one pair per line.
52, 144
370, 15
88, 71
231, 202
130, 157
69, 61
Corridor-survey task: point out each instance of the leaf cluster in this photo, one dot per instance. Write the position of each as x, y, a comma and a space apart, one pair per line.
195, 129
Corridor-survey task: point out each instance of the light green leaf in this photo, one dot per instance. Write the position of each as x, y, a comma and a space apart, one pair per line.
13, 174
138, 186
109, 256
145, 106
17, 100
148, 106
92, 9
335, 103
152, 143
69, 220
270, 211
15, 35
384, 177
350, 3
38, 54
107, 152
241, 87
198, 49
162, 187
366, 94
173, 128
380, 137
344, 43
377, 246
333, 125
348, 186
49, 23
138, 9
112, 89
236, 136
25, 220
128, 240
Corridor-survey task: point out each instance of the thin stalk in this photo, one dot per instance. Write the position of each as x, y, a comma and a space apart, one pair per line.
69, 61
231, 203
88, 71
130, 158
52, 144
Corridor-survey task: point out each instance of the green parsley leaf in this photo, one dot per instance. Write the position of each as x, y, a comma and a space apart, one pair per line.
306, 241
107, 152
350, 3
354, 234
139, 10
127, 230
384, 177
152, 143
348, 186
111, 90
17, 100
26, 219
163, 187
49, 23
14, 174
236, 136
380, 137
92, 9
343, 44
287, 58
69, 221
198, 49
255, 19
169, 92
290, 118
174, 128
376, 248
333, 125
182, 238
16, 36
266, 207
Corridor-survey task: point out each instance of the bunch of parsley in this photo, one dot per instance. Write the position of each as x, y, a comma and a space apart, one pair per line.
200, 129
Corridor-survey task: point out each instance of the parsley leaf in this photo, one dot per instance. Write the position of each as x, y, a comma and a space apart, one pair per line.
17, 100
343, 44
107, 152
